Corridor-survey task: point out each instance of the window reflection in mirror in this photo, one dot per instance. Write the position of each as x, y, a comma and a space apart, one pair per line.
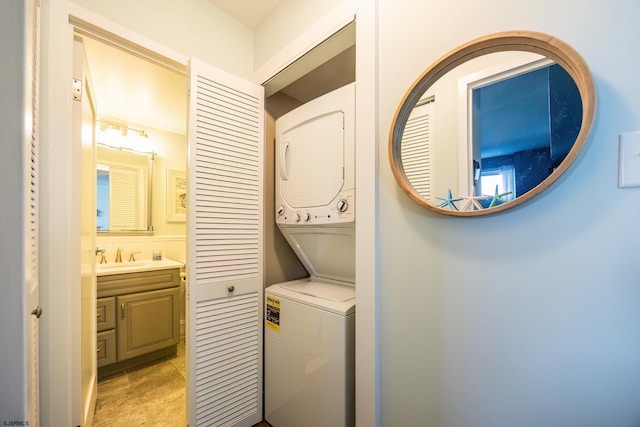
123, 190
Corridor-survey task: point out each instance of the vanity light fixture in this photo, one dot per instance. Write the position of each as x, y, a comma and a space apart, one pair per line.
121, 135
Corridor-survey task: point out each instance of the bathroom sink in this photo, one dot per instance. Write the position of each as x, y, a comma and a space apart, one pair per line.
135, 266
123, 264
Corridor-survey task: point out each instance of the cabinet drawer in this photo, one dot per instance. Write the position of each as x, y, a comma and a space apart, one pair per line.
129, 283
106, 313
106, 348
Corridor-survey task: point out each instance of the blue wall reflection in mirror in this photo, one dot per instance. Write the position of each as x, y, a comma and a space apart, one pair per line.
527, 125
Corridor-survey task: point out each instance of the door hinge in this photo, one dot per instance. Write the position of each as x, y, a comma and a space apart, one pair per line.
76, 90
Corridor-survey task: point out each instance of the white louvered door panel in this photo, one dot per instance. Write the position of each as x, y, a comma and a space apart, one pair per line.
225, 272
416, 149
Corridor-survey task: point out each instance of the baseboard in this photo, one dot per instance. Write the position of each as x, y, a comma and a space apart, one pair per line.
135, 361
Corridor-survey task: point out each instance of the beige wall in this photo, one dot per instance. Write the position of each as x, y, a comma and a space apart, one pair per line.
171, 154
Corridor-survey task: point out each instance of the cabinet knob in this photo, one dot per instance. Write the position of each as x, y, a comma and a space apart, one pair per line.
231, 288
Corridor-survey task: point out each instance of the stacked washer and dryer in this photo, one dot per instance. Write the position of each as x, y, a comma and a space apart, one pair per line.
310, 323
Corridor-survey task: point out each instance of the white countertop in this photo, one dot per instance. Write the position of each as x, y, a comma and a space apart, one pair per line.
136, 266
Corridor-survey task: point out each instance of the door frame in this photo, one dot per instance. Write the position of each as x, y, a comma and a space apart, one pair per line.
84, 112
365, 14
60, 401
60, 231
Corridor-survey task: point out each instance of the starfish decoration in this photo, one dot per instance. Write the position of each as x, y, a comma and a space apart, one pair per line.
497, 199
449, 201
472, 202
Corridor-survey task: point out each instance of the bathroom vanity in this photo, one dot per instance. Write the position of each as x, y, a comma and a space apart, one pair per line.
138, 313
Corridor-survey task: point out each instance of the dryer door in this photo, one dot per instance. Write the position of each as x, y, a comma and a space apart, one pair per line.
312, 161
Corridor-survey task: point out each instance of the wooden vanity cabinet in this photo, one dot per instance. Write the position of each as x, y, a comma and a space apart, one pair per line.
138, 314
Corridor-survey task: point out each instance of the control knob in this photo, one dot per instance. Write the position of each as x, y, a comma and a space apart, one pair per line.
307, 217
280, 210
342, 205
298, 217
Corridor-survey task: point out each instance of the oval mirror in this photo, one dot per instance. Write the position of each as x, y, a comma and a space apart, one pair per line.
492, 123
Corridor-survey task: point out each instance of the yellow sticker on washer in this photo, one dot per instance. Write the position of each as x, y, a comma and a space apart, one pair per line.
272, 313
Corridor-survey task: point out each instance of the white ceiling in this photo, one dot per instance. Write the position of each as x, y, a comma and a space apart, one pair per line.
134, 91
249, 12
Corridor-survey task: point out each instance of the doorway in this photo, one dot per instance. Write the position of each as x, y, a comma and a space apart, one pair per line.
140, 131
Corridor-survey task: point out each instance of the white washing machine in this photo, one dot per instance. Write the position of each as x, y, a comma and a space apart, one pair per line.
309, 354
310, 323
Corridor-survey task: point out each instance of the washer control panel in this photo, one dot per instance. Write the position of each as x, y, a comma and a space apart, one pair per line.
341, 210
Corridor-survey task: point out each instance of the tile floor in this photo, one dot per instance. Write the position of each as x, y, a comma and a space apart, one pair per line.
149, 395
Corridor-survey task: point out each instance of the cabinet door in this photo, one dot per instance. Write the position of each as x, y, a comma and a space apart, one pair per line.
148, 321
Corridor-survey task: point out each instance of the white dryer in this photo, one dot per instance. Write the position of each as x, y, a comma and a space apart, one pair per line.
315, 166
310, 323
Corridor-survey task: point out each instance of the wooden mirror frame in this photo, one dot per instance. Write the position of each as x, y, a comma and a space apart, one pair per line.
529, 41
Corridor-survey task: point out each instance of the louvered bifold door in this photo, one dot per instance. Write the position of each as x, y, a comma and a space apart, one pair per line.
224, 338
416, 152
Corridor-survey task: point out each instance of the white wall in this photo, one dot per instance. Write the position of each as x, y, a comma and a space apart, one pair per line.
529, 317
192, 27
14, 103
287, 21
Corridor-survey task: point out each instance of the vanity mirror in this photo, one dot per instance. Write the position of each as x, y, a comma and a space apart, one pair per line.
492, 123
123, 191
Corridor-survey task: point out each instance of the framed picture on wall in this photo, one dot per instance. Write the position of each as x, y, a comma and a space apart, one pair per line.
176, 195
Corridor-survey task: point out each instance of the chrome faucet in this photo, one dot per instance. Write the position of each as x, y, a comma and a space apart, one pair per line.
119, 255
